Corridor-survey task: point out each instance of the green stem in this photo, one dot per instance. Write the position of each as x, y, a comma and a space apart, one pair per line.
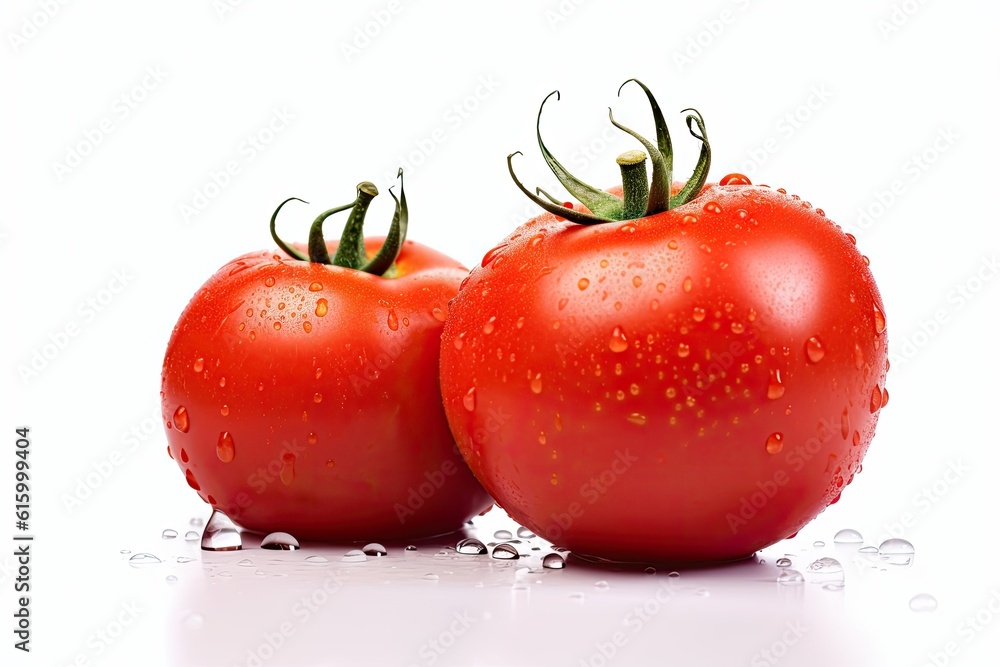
317, 243
635, 187
386, 255
351, 251
297, 254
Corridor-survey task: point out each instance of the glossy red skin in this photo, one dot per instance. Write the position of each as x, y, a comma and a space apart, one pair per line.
367, 394
695, 481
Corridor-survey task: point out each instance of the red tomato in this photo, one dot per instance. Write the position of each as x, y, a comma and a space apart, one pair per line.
691, 385
303, 397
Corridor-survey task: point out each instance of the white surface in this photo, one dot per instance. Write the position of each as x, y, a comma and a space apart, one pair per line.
879, 99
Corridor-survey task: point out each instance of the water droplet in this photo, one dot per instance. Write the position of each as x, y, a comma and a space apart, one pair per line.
503, 535
374, 549
410, 547
224, 410
783, 562
492, 254
602, 585
819, 544
896, 551
637, 418
490, 325
199, 365
430, 576
524, 533
790, 577
321, 307
287, 473
470, 546
775, 388
536, 384
189, 478
687, 284
318, 560
277, 326
191, 535
354, 556
185, 559
712, 207
221, 534
469, 400
246, 562
868, 550
734, 179
637, 281
814, 350
143, 559
683, 350
553, 562
876, 401
673, 574
879, 319
582, 284
847, 536
391, 320
923, 602
618, 342
171, 579
885, 397
856, 439
736, 327
698, 314
317, 397
628, 228
774, 442
650, 570
168, 534
672, 244
280, 541
181, 422
226, 448
315, 287
505, 552
439, 315
689, 219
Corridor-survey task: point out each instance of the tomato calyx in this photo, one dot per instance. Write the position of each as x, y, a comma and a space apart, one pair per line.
640, 197
351, 249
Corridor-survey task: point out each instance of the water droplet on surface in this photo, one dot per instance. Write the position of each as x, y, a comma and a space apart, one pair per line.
814, 350
819, 544
469, 400
279, 542
490, 325
505, 552
847, 536
354, 556
171, 579
712, 207
225, 449
470, 546
492, 254
868, 550
553, 562
536, 384
287, 473
221, 534
317, 560
582, 284
168, 534
687, 284
322, 308
885, 397
775, 388
374, 549
524, 533
181, 422
879, 319
683, 350
189, 478
774, 443
143, 559
876, 401
896, 551
698, 314
191, 535
224, 410
923, 602
637, 418
618, 342
503, 535
199, 365
790, 577
783, 562
315, 287
601, 585
430, 576
410, 547
392, 321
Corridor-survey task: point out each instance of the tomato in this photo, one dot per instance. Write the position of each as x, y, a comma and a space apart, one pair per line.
303, 396
693, 383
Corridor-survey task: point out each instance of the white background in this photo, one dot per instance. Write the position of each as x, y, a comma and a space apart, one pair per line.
833, 101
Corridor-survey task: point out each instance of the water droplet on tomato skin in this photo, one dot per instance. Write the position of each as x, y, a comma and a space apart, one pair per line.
712, 207
687, 284
885, 397
492, 254
391, 320
683, 350
628, 228
775, 387
287, 473
618, 342
469, 400
879, 320
734, 179
859, 356
225, 449
181, 422
637, 418
856, 440
774, 443
845, 424
876, 401
439, 315
536, 384
490, 325
322, 307
199, 365
814, 350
